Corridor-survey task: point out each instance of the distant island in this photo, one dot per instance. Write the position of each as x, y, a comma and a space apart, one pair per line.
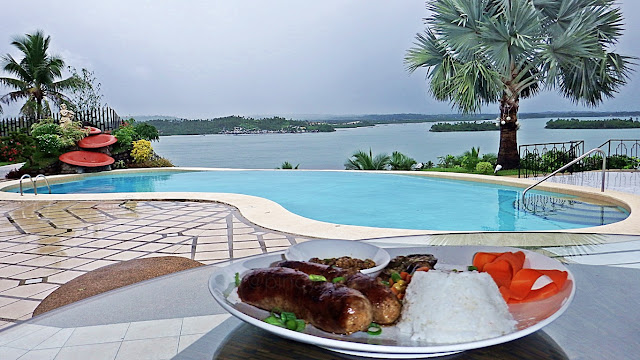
464, 126
237, 125
592, 124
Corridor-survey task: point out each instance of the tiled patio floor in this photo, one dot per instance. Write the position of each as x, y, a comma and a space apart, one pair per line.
46, 244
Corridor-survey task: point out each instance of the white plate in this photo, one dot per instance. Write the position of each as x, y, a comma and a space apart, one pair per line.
327, 249
530, 316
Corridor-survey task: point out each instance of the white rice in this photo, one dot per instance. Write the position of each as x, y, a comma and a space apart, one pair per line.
449, 307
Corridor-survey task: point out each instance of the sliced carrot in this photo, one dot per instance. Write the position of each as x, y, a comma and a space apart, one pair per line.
522, 283
424, 268
521, 256
480, 259
506, 293
409, 278
500, 271
395, 291
400, 296
538, 294
514, 281
403, 275
516, 261
559, 277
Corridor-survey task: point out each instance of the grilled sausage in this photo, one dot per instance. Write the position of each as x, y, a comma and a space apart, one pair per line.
386, 307
327, 306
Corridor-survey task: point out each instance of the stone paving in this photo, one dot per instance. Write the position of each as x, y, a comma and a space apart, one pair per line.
46, 244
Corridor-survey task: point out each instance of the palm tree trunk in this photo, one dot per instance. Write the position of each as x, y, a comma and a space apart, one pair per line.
38, 108
508, 155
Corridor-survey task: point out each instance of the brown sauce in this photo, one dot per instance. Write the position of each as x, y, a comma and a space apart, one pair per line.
347, 263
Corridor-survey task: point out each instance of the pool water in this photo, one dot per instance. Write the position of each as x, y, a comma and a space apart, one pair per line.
372, 199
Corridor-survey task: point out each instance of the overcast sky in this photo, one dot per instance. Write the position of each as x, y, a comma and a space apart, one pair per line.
203, 59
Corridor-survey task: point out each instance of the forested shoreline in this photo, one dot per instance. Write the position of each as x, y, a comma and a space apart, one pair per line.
592, 124
464, 126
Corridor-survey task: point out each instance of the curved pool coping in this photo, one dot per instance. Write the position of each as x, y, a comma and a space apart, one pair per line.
270, 215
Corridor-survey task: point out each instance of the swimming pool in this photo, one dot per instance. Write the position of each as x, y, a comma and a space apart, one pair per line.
369, 199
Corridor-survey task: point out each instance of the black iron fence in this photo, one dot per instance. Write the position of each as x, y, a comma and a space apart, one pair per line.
105, 119
541, 159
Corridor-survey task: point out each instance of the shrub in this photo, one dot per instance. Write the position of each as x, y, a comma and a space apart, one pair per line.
53, 139
126, 135
142, 151
50, 144
17, 146
621, 162
73, 133
484, 167
146, 131
400, 161
491, 158
288, 166
158, 162
45, 127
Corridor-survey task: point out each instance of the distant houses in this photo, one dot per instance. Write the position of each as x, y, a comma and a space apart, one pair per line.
293, 129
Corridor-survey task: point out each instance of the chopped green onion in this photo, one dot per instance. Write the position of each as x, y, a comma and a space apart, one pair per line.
237, 279
396, 277
291, 325
286, 320
385, 283
337, 279
472, 268
286, 316
374, 329
273, 320
313, 277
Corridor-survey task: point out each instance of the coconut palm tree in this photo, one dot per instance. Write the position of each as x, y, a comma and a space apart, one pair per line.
360, 160
35, 75
479, 52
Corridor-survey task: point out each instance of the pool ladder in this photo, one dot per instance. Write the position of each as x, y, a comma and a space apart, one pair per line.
604, 170
34, 183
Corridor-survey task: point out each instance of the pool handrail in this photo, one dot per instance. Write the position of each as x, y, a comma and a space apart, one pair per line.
35, 183
26, 176
604, 170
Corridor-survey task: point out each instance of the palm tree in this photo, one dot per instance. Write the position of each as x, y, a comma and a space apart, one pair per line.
35, 75
360, 160
479, 52
400, 161
288, 165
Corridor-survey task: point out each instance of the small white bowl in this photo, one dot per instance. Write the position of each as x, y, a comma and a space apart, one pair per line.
325, 249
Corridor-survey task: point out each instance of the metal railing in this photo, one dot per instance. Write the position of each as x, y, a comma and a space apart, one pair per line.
542, 158
604, 170
622, 153
34, 183
26, 176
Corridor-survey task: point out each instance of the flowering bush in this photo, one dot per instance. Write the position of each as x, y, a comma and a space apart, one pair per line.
17, 146
142, 151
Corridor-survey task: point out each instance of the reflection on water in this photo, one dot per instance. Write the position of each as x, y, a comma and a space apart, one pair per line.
506, 215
